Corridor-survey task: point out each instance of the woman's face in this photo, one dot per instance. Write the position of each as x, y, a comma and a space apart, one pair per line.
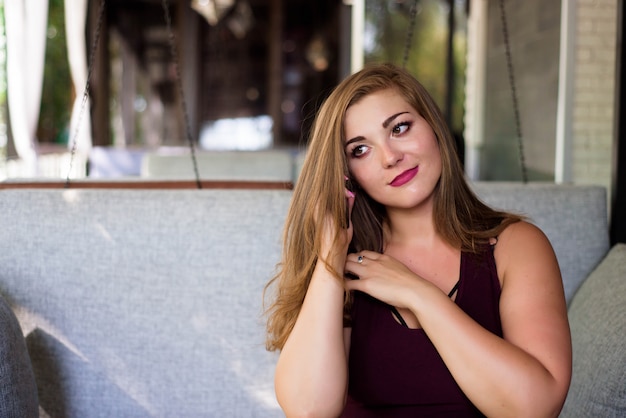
392, 152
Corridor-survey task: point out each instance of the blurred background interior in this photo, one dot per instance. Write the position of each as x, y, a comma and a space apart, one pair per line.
121, 89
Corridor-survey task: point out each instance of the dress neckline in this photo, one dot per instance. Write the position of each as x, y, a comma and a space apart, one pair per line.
398, 317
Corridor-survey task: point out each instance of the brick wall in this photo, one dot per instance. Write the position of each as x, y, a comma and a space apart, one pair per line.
590, 124
594, 91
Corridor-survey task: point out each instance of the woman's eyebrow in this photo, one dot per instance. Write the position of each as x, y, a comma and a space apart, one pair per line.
390, 119
355, 139
386, 124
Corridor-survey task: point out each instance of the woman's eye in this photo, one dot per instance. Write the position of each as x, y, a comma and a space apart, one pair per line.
358, 151
401, 128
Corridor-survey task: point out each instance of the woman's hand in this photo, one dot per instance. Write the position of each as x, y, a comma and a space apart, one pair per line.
384, 278
334, 245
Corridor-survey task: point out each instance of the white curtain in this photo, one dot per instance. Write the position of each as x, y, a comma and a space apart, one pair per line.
80, 123
26, 27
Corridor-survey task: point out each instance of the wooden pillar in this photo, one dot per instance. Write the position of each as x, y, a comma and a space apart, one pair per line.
275, 70
99, 83
128, 91
188, 26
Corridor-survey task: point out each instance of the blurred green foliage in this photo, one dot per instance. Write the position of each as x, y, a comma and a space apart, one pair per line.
57, 93
386, 29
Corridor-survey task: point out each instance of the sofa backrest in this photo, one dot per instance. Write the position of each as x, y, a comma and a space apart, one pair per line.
143, 302
149, 302
573, 217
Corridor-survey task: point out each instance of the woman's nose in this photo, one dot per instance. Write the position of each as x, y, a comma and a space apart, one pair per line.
391, 155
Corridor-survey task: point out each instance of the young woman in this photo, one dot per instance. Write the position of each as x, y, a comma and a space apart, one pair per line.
423, 302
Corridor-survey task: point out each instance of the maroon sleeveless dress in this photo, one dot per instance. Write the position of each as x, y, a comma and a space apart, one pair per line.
396, 371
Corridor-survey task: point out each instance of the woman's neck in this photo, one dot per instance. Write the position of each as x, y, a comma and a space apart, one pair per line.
410, 227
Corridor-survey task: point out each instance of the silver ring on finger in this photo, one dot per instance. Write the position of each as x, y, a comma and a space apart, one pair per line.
359, 259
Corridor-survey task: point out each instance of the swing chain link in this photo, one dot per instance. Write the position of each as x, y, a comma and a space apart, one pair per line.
83, 105
509, 61
179, 85
409, 33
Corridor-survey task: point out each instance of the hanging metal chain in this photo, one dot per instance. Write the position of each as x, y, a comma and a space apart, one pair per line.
509, 61
409, 34
85, 100
179, 84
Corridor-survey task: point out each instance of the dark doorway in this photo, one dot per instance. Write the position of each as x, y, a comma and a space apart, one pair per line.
618, 208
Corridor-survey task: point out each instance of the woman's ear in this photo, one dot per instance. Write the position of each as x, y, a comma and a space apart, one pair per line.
350, 184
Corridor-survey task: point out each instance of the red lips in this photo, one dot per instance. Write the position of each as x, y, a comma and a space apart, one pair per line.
404, 178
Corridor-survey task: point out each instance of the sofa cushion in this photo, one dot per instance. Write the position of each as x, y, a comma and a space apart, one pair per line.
144, 303
598, 322
18, 392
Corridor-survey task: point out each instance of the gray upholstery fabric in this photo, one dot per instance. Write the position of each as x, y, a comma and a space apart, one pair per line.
18, 392
598, 322
148, 302
145, 303
574, 218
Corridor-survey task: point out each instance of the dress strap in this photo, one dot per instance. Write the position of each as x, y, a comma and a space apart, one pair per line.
395, 313
454, 289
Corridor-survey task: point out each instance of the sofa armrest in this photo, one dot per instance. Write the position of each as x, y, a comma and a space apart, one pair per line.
597, 317
18, 391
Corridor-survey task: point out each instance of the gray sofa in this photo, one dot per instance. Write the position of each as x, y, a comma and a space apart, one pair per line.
148, 302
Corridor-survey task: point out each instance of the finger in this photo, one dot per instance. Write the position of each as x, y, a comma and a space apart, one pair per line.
355, 266
356, 258
349, 205
353, 284
372, 255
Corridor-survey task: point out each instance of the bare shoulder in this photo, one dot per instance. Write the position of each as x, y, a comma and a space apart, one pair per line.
524, 246
522, 233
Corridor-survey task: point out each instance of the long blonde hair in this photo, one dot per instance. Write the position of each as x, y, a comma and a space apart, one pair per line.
459, 216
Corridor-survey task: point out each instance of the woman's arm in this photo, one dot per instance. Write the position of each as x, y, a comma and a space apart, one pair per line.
526, 373
312, 372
